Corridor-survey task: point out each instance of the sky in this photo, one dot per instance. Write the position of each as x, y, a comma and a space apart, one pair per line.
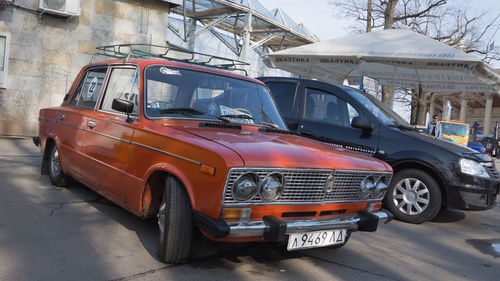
322, 18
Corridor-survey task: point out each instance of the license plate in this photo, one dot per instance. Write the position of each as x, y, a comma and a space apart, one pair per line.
316, 239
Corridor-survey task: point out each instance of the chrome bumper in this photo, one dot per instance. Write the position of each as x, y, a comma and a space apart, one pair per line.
274, 229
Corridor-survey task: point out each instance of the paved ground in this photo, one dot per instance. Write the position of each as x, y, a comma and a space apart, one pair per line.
49, 233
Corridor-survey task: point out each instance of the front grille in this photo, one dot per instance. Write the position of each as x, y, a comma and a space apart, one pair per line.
492, 172
305, 186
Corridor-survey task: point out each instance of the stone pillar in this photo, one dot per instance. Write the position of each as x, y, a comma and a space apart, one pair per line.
463, 106
432, 106
487, 113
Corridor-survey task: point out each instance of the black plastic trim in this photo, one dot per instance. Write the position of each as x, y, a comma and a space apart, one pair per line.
276, 231
216, 228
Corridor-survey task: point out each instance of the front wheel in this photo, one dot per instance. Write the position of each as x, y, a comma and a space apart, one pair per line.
175, 220
413, 196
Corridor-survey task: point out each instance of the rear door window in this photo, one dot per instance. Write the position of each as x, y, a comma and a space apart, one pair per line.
88, 91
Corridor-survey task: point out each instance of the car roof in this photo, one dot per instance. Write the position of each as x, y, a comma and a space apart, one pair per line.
145, 62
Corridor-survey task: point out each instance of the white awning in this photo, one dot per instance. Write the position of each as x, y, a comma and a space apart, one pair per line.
397, 57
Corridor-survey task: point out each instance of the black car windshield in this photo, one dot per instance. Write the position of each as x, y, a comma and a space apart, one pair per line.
176, 92
377, 108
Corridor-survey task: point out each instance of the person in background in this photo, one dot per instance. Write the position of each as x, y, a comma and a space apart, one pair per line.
434, 127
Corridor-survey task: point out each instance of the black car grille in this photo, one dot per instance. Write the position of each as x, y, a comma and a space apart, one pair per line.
306, 186
493, 172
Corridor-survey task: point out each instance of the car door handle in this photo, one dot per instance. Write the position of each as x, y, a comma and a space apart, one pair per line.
62, 116
91, 124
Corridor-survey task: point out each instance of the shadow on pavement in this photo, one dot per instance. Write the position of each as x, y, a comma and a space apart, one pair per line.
449, 216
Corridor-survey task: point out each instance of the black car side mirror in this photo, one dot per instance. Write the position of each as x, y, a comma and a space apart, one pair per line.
124, 106
361, 122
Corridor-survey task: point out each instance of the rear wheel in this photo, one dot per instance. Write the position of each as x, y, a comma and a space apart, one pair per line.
175, 220
413, 196
56, 173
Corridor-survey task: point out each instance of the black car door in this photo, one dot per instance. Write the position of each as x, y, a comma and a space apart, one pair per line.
326, 114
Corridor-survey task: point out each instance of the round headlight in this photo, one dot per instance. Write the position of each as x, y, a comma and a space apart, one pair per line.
380, 188
245, 187
271, 186
367, 187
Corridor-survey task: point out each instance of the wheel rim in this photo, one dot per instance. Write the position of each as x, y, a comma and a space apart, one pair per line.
411, 196
161, 220
55, 163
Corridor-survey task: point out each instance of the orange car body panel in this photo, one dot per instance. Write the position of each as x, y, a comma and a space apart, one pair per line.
116, 158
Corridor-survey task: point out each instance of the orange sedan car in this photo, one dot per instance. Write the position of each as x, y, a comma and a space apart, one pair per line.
198, 147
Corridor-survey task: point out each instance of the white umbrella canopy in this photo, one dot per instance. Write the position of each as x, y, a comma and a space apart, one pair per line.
397, 57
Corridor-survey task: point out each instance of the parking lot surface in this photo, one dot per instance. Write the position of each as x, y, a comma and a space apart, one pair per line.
49, 233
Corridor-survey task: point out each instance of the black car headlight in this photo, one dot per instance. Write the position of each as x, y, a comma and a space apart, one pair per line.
473, 168
245, 187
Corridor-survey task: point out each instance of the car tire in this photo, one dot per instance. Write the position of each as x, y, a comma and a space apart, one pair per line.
175, 220
413, 196
56, 174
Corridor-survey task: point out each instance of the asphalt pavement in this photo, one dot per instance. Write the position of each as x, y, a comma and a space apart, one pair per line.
49, 233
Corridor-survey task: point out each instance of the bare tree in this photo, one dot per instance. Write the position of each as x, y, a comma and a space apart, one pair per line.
434, 18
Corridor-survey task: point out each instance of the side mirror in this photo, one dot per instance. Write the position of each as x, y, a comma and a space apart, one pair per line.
124, 106
361, 122
66, 97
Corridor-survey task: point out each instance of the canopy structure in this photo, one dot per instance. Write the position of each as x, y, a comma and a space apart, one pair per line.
246, 20
398, 57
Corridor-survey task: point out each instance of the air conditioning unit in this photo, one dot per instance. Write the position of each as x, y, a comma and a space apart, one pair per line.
65, 8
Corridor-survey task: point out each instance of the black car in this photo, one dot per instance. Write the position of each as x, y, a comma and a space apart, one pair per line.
429, 173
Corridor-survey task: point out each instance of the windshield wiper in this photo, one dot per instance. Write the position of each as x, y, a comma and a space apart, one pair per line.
403, 127
182, 110
270, 125
238, 116
226, 117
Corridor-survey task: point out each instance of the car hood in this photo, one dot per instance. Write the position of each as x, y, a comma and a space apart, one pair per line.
262, 149
448, 145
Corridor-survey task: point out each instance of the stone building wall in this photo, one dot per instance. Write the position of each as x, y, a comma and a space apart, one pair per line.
47, 52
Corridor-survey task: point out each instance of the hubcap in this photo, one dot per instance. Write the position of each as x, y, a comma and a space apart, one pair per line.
55, 166
161, 219
411, 196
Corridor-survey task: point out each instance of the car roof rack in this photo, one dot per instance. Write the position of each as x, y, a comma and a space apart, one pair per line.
170, 53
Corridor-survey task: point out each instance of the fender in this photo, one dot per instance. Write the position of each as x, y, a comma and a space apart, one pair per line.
432, 163
165, 167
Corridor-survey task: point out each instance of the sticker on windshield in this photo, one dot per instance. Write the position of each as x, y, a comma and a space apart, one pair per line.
168, 71
212, 108
92, 87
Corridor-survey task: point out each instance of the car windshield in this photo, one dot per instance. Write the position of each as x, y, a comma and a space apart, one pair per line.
454, 129
175, 92
377, 108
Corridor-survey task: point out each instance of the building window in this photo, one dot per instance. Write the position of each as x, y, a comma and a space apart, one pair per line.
4, 58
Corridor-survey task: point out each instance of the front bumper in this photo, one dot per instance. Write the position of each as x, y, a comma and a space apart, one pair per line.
473, 193
274, 229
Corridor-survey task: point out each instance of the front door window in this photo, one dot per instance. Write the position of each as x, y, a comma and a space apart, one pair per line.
322, 106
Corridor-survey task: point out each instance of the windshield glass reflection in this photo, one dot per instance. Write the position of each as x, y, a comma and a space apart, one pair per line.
174, 92
378, 108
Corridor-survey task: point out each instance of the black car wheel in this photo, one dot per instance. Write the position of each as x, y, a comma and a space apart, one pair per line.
56, 173
413, 196
175, 220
